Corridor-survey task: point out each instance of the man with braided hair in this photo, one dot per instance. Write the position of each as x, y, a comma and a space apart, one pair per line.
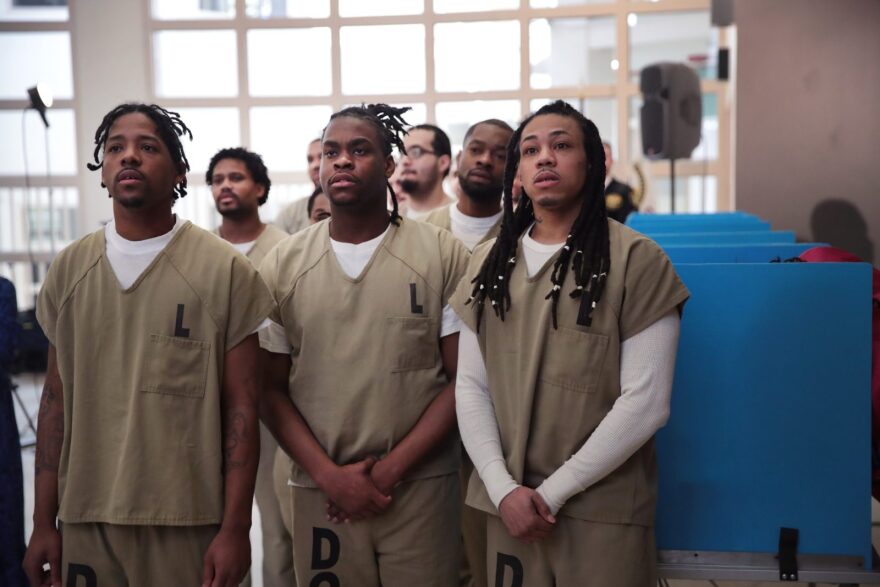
147, 440
561, 386
361, 373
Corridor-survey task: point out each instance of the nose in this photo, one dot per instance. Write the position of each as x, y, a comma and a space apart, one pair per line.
131, 156
546, 156
342, 161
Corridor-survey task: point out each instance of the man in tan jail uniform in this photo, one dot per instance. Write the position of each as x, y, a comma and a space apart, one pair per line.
423, 168
558, 399
476, 218
148, 439
240, 185
361, 368
294, 217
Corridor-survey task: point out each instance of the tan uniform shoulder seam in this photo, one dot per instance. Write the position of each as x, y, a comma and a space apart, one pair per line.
88, 242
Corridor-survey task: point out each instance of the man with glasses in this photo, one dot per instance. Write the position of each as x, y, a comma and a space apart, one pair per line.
423, 168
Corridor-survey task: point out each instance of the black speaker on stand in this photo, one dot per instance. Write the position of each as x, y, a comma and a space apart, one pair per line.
671, 115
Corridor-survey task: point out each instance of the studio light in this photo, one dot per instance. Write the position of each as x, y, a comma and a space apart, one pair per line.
41, 100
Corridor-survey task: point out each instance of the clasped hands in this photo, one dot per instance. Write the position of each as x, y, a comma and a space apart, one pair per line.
360, 490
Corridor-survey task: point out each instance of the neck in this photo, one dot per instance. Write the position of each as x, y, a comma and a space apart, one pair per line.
476, 209
349, 224
553, 225
434, 199
243, 230
137, 224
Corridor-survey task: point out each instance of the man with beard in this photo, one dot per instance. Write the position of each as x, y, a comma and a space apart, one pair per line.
474, 219
240, 185
294, 217
476, 216
147, 438
423, 169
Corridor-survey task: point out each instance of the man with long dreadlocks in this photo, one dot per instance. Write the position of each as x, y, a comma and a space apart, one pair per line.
361, 373
147, 440
561, 385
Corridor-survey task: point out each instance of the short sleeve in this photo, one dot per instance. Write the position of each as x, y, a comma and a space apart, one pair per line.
269, 273
249, 302
455, 262
47, 304
651, 288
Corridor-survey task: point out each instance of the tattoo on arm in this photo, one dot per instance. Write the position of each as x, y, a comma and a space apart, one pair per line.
235, 432
50, 426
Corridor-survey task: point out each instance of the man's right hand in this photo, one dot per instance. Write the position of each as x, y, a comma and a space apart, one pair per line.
44, 547
351, 489
525, 515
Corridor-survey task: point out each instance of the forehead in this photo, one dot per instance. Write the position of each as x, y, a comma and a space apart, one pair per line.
419, 136
229, 165
314, 148
490, 134
135, 123
541, 126
348, 128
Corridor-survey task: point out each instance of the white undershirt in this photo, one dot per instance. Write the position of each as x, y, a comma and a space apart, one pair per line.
469, 229
352, 258
243, 248
647, 364
129, 259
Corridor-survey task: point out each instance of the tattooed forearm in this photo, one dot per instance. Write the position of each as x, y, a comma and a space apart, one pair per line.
50, 429
234, 438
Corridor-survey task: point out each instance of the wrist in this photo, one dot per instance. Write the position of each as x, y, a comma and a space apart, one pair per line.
324, 474
43, 523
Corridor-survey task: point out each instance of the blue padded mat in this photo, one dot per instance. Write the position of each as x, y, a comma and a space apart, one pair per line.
723, 238
688, 227
756, 253
770, 423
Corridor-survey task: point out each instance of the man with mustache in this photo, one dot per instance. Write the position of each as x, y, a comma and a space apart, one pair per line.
423, 168
147, 439
240, 184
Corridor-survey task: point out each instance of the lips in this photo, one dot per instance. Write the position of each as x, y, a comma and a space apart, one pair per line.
127, 175
342, 180
546, 178
227, 197
479, 174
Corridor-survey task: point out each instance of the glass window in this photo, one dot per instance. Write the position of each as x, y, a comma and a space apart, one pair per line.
287, 9
193, 9
558, 3
707, 149
569, 52
62, 143
213, 129
30, 58
385, 59
456, 117
34, 10
695, 193
52, 213
418, 114
380, 7
674, 36
305, 70
446, 6
602, 111
281, 134
477, 56
182, 72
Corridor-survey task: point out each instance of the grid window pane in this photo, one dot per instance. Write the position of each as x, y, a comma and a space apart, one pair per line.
368, 53
193, 9
288, 9
270, 76
456, 117
675, 36
52, 213
281, 134
380, 7
62, 143
418, 114
9, 12
457, 70
706, 150
213, 129
569, 52
30, 58
558, 3
183, 72
446, 6
695, 193
602, 111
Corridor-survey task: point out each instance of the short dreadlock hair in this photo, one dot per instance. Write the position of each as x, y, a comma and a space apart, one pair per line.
390, 128
169, 126
251, 160
586, 250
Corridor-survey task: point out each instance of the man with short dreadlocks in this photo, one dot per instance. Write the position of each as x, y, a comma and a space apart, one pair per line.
562, 383
147, 443
361, 373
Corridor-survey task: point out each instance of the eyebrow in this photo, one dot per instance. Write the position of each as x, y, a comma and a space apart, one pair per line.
139, 137
553, 133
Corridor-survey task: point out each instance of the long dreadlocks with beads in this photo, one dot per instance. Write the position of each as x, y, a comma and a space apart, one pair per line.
169, 126
586, 250
391, 127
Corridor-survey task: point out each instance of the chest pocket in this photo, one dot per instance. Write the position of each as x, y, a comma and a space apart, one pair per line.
412, 343
175, 366
574, 359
